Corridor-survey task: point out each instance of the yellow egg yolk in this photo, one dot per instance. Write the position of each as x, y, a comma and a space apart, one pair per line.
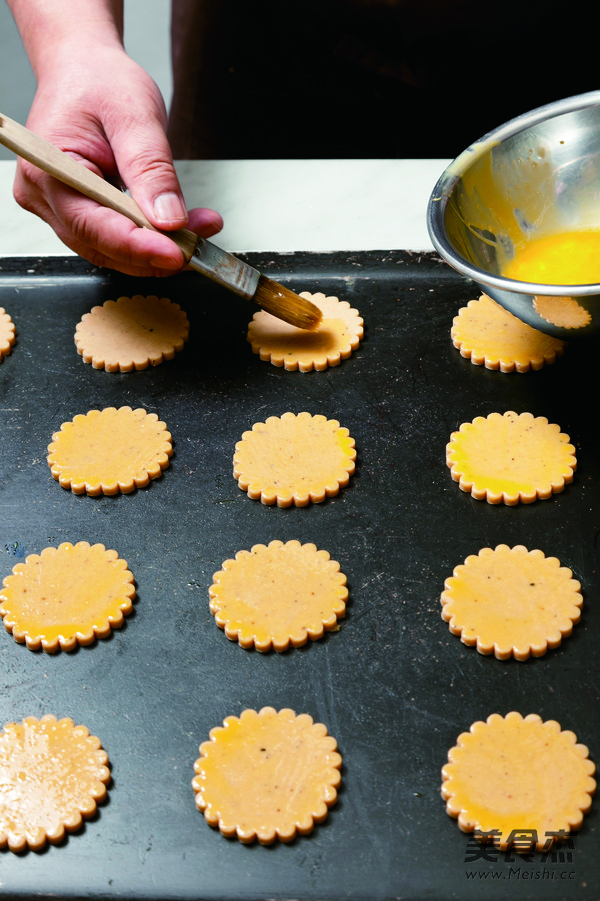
568, 258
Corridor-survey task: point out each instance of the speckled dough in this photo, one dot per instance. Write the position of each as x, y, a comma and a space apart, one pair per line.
511, 602
515, 780
278, 595
53, 775
490, 336
109, 451
338, 335
131, 333
510, 458
294, 459
66, 596
267, 775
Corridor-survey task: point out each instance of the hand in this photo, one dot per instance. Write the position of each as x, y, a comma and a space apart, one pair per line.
105, 110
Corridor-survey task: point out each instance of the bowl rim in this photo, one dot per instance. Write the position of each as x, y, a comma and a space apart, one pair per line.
438, 200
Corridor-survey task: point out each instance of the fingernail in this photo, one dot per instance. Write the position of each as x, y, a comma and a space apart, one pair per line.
168, 207
164, 262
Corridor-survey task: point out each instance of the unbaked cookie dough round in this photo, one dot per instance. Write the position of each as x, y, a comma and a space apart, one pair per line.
488, 335
511, 458
7, 334
517, 781
109, 451
278, 595
511, 602
294, 460
267, 775
67, 596
338, 334
53, 775
131, 333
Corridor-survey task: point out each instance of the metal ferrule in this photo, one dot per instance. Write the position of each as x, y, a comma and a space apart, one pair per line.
225, 269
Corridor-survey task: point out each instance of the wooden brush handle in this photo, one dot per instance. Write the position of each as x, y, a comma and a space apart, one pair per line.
55, 162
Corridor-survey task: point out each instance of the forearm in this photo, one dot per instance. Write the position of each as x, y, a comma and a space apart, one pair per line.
49, 27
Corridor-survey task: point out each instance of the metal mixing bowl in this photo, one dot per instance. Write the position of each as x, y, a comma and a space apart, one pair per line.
537, 174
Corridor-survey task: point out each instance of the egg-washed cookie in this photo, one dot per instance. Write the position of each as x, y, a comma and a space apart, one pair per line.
109, 451
490, 336
278, 595
66, 596
294, 460
267, 775
511, 602
53, 774
518, 781
131, 333
7, 334
510, 458
337, 336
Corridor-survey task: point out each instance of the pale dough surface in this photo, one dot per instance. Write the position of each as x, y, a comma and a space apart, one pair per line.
510, 458
490, 336
131, 333
109, 451
337, 336
7, 334
511, 602
66, 596
267, 775
278, 595
514, 773
294, 459
53, 775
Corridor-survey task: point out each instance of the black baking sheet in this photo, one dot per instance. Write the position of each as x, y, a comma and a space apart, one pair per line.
393, 685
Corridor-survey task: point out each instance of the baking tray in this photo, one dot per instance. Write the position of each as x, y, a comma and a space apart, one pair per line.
392, 685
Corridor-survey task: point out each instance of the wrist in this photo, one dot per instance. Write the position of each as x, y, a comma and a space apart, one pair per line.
53, 32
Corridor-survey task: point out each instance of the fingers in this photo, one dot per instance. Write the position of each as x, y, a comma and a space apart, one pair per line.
146, 167
102, 236
96, 122
98, 234
205, 222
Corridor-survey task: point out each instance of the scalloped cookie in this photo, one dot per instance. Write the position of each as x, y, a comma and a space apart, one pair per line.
510, 458
53, 775
337, 336
511, 602
278, 595
294, 459
66, 596
109, 451
565, 312
7, 334
513, 775
131, 333
267, 775
488, 335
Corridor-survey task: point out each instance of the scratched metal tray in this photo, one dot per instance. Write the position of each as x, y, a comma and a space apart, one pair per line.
393, 685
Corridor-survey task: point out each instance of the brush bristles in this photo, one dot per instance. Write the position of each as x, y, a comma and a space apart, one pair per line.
284, 304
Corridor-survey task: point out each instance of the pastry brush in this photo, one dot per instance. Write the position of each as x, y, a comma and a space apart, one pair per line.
200, 254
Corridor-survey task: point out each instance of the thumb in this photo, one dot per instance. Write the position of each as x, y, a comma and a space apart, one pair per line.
145, 165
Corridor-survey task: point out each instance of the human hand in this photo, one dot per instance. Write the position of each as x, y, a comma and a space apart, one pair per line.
105, 111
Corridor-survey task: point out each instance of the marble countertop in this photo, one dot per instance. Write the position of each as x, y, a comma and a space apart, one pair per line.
278, 205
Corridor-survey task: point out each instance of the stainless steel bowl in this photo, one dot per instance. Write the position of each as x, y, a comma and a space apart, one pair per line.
536, 174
